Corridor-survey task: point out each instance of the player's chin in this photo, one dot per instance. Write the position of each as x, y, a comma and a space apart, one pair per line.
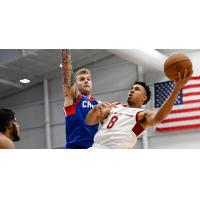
86, 92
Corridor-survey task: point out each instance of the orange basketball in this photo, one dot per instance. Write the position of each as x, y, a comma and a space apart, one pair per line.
176, 63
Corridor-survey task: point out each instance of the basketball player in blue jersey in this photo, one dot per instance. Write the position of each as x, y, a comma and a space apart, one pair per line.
9, 129
78, 102
121, 124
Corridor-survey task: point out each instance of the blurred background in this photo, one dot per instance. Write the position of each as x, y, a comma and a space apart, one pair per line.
31, 85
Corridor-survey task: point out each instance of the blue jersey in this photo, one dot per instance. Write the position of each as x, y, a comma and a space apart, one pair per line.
79, 135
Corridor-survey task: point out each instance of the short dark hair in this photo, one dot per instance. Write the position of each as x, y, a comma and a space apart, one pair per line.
147, 89
6, 115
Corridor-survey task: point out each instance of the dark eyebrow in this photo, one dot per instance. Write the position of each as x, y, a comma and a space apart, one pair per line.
137, 87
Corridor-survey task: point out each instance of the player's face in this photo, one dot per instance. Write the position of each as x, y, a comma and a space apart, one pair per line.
84, 84
136, 95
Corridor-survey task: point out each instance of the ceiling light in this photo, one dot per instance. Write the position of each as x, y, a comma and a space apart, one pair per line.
25, 81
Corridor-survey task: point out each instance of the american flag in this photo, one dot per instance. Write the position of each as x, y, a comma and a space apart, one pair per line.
185, 113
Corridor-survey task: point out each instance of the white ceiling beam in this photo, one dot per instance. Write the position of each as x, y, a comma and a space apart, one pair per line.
148, 58
10, 83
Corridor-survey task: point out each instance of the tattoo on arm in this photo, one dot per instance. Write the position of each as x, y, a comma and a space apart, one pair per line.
67, 71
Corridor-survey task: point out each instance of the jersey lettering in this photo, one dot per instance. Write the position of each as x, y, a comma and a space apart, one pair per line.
87, 104
112, 122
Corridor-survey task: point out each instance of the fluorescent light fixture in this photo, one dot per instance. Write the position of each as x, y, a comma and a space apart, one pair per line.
25, 81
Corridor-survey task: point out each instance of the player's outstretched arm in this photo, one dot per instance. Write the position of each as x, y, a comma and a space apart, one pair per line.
150, 118
98, 113
70, 91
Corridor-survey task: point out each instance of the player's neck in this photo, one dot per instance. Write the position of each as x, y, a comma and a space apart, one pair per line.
134, 105
89, 96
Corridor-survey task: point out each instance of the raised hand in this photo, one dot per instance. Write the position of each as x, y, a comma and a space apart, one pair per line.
183, 79
66, 56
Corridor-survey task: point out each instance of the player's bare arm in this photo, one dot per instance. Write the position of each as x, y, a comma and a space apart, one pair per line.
99, 113
150, 118
70, 91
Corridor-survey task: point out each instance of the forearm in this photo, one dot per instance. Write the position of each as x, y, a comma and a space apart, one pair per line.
67, 72
93, 117
99, 113
67, 76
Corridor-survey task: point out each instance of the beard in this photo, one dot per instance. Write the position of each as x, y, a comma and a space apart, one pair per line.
15, 134
85, 92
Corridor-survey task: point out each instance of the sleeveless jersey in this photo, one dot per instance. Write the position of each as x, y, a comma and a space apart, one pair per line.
79, 135
120, 130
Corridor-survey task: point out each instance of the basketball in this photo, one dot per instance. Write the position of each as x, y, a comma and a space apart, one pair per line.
176, 63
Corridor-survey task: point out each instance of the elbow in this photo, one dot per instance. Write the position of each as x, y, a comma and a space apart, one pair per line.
89, 121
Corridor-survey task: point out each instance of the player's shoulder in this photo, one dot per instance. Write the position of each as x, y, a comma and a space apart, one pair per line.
6, 143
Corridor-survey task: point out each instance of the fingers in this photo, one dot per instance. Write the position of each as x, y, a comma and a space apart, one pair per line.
190, 74
115, 103
106, 105
185, 76
65, 52
66, 55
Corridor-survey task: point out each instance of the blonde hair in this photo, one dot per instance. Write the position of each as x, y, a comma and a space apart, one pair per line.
82, 71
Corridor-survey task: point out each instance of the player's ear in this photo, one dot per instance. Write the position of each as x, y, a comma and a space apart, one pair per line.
9, 125
144, 98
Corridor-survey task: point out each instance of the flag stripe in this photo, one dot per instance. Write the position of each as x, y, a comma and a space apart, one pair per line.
179, 115
195, 78
180, 119
188, 98
185, 110
179, 123
188, 90
191, 86
192, 101
178, 128
191, 94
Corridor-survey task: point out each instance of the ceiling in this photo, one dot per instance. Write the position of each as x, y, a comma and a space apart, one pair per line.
37, 64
